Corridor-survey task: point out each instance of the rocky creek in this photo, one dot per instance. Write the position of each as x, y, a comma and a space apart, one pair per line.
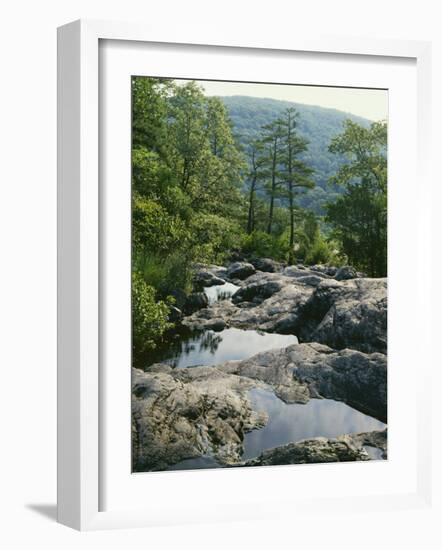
234, 386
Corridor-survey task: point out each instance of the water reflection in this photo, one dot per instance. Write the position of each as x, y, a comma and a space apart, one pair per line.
288, 423
210, 348
220, 292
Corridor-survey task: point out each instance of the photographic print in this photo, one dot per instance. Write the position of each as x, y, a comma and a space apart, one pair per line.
259, 274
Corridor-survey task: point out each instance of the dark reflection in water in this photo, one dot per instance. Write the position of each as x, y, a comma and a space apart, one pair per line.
220, 292
210, 348
288, 423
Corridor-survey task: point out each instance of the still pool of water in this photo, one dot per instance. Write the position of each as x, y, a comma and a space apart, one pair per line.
289, 423
210, 348
220, 292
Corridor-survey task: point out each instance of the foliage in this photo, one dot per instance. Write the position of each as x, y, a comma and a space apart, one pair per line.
154, 229
261, 244
149, 318
360, 222
170, 275
359, 216
215, 237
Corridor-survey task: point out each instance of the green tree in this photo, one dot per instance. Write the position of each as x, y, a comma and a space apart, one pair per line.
203, 151
295, 174
256, 161
149, 318
149, 108
359, 216
273, 135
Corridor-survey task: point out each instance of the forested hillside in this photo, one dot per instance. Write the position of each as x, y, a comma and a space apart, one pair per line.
316, 124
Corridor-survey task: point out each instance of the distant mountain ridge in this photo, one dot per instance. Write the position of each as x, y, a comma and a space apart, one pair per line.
317, 124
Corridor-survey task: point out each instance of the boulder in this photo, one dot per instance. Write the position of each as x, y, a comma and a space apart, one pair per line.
356, 378
195, 301
265, 301
185, 413
328, 270
205, 277
175, 314
300, 372
346, 314
311, 280
309, 451
296, 271
346, 272
316, 308
217, 324
375, 439
345, 448
258, 285
267, 265
240, 270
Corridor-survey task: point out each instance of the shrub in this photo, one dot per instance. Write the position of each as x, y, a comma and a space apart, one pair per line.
318, 253
149, 317
168, 273
214, 237
263, 245
154, 229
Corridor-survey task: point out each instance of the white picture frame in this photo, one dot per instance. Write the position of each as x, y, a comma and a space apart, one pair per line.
79, 275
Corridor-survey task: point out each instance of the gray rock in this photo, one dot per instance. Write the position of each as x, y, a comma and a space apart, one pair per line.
346, 272
357, 378
341, 314
296, 271
175, 314
206, 277
195, 301
267, 265
328, 270
265, 301
302, 371
258, 285
311, 280
215, 324
308, 451
346, 314
184, 413
240, 270
345, 448
376, 439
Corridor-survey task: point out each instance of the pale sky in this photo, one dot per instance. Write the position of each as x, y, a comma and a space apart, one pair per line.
367, 103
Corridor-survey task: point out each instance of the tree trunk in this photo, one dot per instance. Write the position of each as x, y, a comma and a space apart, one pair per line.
250, 219
273, 191
292, 226
291, 198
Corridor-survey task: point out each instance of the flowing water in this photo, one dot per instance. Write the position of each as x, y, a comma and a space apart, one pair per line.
220, 292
